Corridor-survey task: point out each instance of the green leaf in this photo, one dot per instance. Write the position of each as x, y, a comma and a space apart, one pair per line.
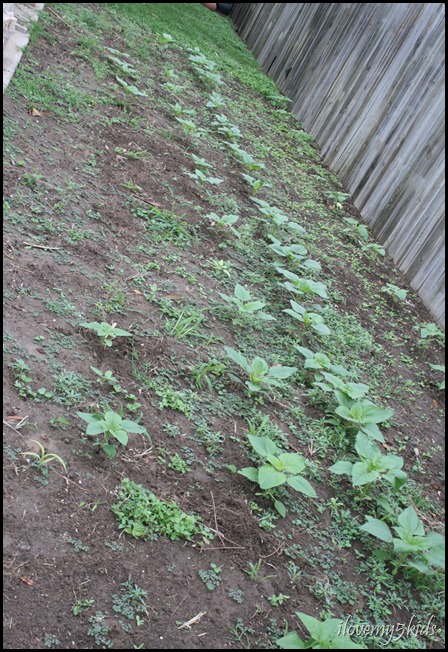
300, 484
282, 372
374, 414
291, 641
263, 446
292, 462
409, 520
130, 89
318, 630
268, 477
373, 431
121, 436
97, 428
378, 529
238, 358
110, 450
281, 509
343, 467
241, 293
259, 367
250, 473
361, 474
253, 306
364, 446
131, 426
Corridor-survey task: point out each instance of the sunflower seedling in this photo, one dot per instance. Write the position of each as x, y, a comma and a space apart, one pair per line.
246, 305
363, 414
429, 548
106, 332
278, 469
261, 376
111, 425
395, 291
254, 183
372, 467
326, 635
309, 319
302, 286
224, 222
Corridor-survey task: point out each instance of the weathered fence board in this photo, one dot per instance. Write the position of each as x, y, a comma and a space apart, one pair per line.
367, 80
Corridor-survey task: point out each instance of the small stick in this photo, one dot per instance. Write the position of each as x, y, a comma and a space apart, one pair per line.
192, 621
67, 481
36, 246
5, 423
216, 520
281, 546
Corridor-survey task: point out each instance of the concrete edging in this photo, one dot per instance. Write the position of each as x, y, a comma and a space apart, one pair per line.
16, 18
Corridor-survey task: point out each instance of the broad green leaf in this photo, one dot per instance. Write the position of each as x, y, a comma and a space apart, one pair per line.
276, 462
364, 446
436, 554
265, 316
113, 420
241, 293
121, 435
90, 418
374, 414
237, 357
130, 89
320, 328
373, 431
121, 332
282, 372
292, 462
268, 477
319, 631
253, 306
361, 474
300, 484
97, 428
409, 520
259, 367
250, 473
416, 544
281, 509
421, 567
110, 450
343, 467
131, 426
378, 529
263, 446
291, 641
253, 387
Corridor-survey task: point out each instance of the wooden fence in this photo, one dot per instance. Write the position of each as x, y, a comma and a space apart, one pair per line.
367, 81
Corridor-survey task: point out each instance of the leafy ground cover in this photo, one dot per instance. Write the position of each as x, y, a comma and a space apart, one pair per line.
223, 405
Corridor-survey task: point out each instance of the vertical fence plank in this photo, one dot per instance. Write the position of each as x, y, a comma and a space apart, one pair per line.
367, 81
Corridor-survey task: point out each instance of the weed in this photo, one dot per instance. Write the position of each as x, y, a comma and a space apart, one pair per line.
99, 631
43, 459
78, 545
82, 605
211, 577
276, 600
143, 515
